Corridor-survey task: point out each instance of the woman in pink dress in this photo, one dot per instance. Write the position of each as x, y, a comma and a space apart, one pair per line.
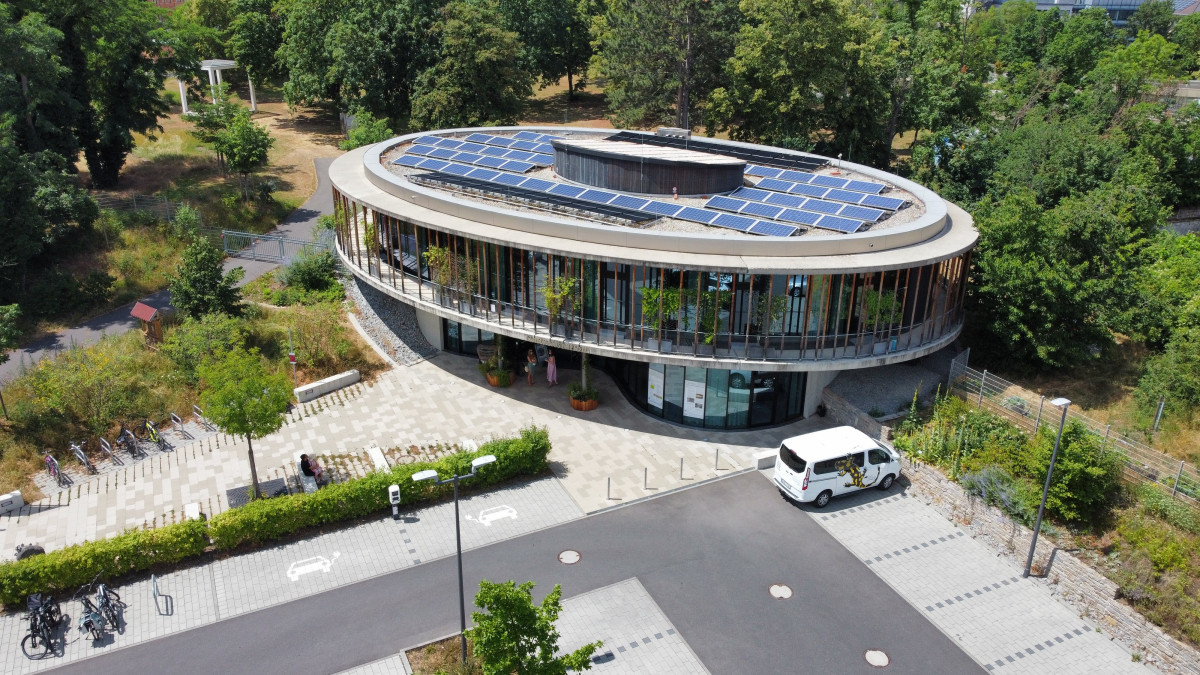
551, 369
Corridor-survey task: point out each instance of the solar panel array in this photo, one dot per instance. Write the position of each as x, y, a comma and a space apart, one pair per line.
816, 179
614, 211
555, 193
793, 201
762, 157
784, 213
476, 159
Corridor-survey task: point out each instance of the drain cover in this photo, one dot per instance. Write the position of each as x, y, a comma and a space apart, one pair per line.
781, 591
877, 658
569, 557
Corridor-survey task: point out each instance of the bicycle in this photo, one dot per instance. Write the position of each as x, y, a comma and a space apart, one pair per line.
146, 431
82, 457
110, 604
44, 617
56, 471
126, 439
90, 618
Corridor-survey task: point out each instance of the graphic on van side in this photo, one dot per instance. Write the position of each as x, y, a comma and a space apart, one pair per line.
847, 467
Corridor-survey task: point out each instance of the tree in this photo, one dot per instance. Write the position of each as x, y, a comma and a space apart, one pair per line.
1086, 473
1079, 45
556, 37
662, 58
33, 90
255, 34
517, 637
198, 338
304, 51
1156, 17
10, 317
202, 286
242, 399
245, 146
367, 131
478, 78
1186, 34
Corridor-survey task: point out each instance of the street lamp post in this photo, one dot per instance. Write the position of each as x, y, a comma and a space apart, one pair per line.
430, 474
1037, 526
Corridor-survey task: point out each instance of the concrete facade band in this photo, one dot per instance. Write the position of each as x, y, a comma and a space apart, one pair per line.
695, 340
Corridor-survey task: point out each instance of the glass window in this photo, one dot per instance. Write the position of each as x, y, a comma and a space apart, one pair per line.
452, 339
828, 466
718, 399
790, 459
879, 456
857, 458
738, 416
673, 393
762, 398
654, 386
694, 396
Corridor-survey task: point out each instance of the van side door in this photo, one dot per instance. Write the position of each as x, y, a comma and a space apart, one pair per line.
824, 477
852, 473
880, 464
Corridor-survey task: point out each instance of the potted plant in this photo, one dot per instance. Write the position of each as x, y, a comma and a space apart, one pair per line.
765, 311
559, 295
495, 368
582, 394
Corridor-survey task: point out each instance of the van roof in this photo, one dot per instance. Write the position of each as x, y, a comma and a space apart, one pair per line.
829, 443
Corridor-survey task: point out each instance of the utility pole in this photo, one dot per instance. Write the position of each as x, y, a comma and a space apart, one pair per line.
292, 358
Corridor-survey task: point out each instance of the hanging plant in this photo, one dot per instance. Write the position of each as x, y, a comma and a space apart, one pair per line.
559, 294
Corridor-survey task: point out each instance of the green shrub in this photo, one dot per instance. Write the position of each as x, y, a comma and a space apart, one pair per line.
65, 570
195, 339
1166, 551
271, 519
1156, 503
310, 270
997, 487
1086, 473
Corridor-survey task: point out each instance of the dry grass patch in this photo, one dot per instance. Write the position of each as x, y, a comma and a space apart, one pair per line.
443, 657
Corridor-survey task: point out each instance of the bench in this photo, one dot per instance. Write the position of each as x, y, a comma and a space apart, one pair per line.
765, 459
310, 391
307, 483
11, 501
377, 458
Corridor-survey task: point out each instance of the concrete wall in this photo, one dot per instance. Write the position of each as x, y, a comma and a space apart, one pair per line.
431, 328
814, 387
321, 387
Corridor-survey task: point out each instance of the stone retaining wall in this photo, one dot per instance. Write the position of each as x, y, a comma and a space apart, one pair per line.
1068, 578
843, 412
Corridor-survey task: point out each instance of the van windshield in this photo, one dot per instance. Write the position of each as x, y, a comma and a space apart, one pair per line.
791, 460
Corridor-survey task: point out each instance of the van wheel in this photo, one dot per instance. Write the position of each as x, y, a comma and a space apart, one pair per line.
823, 499
887, 482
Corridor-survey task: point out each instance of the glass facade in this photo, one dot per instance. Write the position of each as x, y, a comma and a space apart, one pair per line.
713, 398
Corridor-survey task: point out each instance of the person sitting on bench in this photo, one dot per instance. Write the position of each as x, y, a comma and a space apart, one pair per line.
311, 468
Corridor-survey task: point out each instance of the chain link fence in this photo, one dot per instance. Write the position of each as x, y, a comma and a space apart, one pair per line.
1029, 411
261, 247
162, 208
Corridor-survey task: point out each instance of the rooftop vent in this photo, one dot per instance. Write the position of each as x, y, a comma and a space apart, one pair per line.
673, 132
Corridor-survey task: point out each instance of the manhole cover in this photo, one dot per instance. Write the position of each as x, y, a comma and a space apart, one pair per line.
877, 658
781, 591
569, 557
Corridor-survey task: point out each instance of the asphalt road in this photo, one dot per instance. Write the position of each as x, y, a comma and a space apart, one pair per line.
707, 556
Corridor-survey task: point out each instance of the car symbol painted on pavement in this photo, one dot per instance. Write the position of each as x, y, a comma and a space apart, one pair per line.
302, 567
486, 516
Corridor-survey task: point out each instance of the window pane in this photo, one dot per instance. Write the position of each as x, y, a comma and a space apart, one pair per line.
654, 386
673, 394
717, 399
738, 416
694, 396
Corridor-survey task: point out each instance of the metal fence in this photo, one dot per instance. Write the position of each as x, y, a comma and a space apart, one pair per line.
1029, 411
261, 247
161, 207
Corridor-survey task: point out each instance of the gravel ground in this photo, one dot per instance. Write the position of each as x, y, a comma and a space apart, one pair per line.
390, 323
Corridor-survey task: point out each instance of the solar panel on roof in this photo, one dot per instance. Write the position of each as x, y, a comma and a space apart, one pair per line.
861, 213
442, 153
839, 224
774, 184
471, 147
796, 176
795, 216
762, 210
494, 151
537, 184
467, 157
457, 169
755, 170
420, 150
864, 186
772, 229
526, 135
844, 195
520, 155
434, 164
809, 190
820, 206
409, 160
598, 196
567, 190
725, 204
695, 214
524, 145
545, 160
733, 222
480, 138
629, 202
426, 140
661, 208
494, 162
891, 203
519, 167
527, 195
751, 193
781, 199
544, 148
484, 174
501, 141
829, 181
510, 179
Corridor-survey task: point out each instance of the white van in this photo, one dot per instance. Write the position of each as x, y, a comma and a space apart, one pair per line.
822, 465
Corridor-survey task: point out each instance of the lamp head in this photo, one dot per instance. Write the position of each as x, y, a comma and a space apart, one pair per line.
1060, 402
427, 474
481, 461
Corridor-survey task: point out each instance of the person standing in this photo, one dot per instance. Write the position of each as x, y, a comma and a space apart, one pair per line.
551, 369
530, 366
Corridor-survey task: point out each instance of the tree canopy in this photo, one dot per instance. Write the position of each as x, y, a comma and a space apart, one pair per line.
202, 286
517, 636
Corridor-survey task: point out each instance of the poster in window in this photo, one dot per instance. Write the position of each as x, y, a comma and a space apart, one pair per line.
654, 389
693, 399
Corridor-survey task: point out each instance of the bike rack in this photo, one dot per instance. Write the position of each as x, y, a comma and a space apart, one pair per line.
200, 416
177, 422
108, 449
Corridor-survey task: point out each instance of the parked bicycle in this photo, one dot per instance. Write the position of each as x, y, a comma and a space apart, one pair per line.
77, 450
90, 618
44, 617
146, 431
126, 439
109, 603
56, 471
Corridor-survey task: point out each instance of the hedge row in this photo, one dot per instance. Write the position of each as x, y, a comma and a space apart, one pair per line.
264, 520
67, 569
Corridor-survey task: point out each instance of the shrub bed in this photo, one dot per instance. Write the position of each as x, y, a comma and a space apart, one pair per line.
264, 520
67, 569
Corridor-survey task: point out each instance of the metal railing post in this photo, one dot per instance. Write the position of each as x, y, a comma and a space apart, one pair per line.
982, 382
1178, 476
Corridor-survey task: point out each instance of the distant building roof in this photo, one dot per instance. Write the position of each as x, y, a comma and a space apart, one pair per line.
1186, 7
143, 312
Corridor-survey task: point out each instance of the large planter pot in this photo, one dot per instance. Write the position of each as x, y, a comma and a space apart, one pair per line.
495, 380
584, 405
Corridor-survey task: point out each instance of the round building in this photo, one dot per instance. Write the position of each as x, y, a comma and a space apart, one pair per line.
722, 284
